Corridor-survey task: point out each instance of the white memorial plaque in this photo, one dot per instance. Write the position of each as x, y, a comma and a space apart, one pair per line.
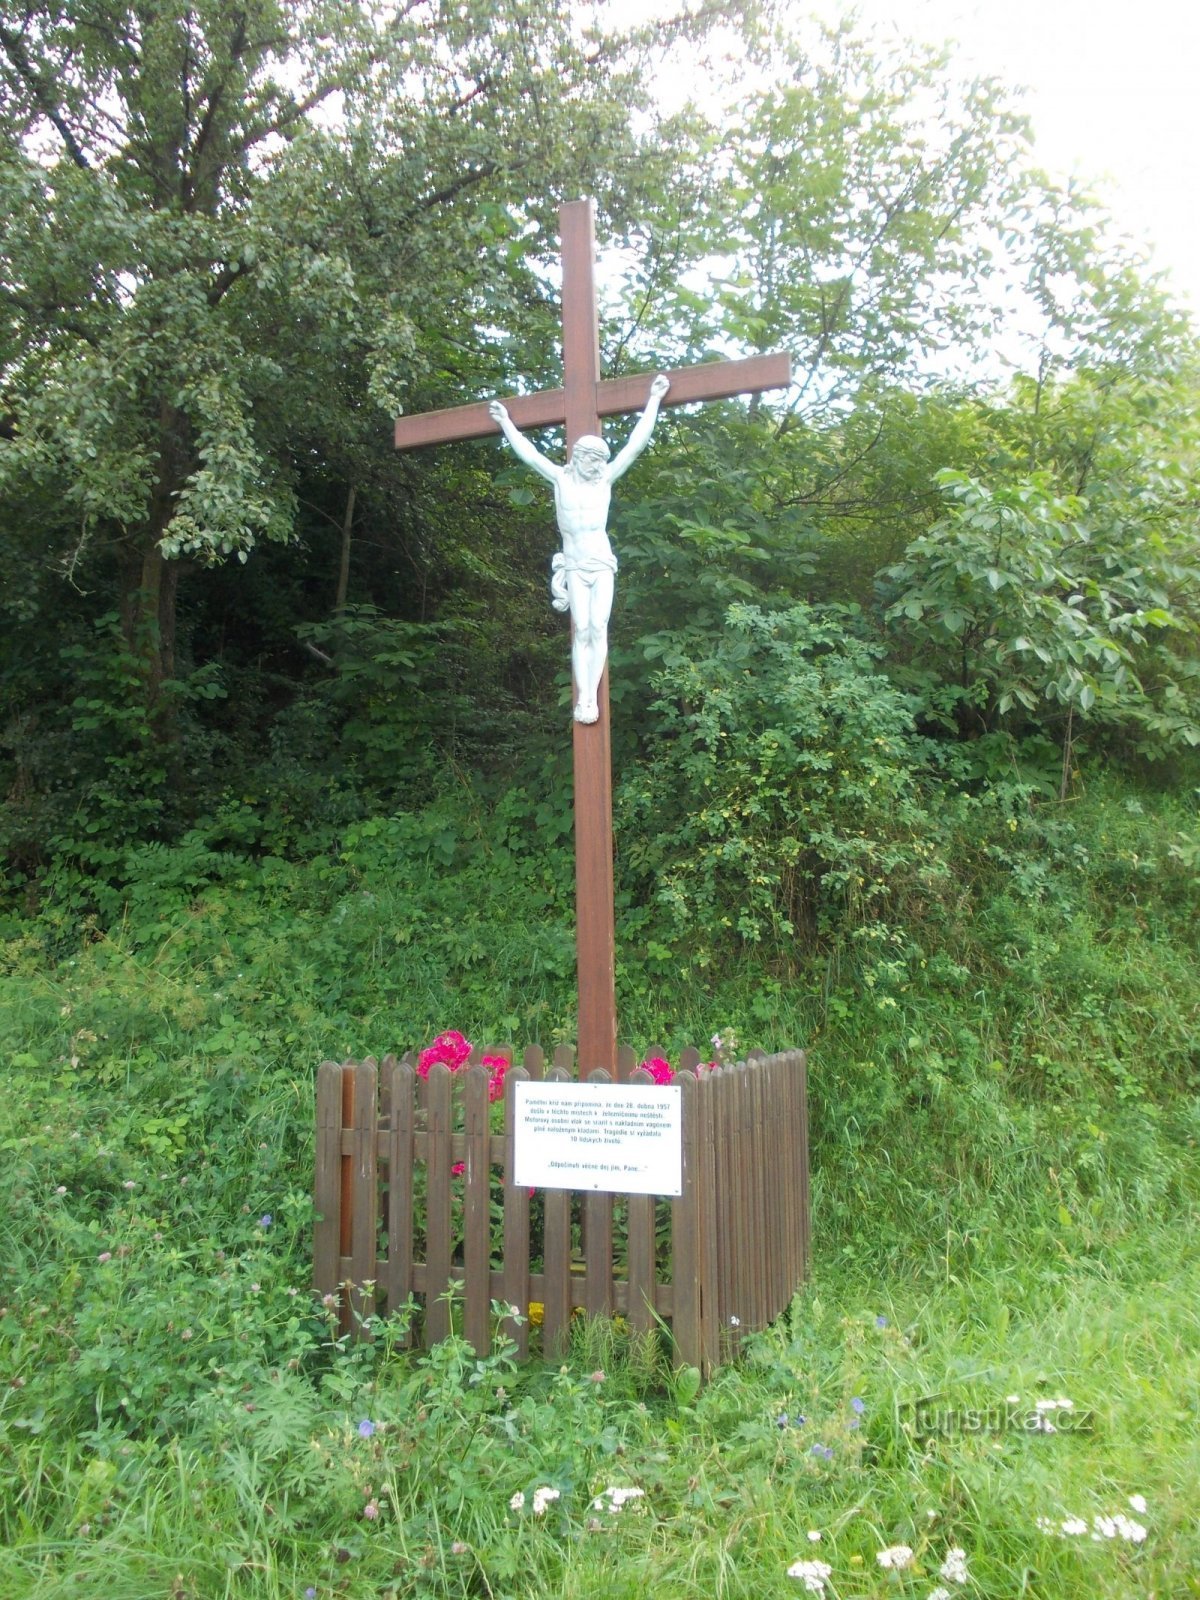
603, 1136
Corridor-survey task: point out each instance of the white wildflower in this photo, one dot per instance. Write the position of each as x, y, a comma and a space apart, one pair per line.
812, 1574
895, 1558
954, 1567
1074, 1526
542, 1498
814, 1536
1123, 1527
940, 1593
616, 1498
517, 1503
1138, 1502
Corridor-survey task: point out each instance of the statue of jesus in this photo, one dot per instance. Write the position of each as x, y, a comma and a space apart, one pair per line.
584, 570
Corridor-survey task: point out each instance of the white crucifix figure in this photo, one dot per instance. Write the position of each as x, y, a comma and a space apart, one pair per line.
584, 570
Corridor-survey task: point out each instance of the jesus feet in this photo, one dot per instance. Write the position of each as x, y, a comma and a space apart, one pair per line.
589, 712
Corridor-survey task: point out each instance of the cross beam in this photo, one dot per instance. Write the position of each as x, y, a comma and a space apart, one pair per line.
709, 380
580, 404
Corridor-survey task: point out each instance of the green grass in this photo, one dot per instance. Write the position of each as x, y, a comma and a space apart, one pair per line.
1006, 1186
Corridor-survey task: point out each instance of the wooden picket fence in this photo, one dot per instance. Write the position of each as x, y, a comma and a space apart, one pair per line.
736, 1248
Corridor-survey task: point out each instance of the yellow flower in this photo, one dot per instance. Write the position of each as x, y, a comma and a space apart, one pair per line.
537, 1313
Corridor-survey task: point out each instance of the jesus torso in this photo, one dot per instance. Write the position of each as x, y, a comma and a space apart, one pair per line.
582, 510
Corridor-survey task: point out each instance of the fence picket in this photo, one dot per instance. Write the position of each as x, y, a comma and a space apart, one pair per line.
707, 1209
516, 1222
557, 1253
327, 1180
437, 1203
365, 1189
685, 1236
477, 1183
598, 1241
641, 1248
400, 1189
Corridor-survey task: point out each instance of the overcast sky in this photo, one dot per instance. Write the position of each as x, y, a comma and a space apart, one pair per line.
1113, 90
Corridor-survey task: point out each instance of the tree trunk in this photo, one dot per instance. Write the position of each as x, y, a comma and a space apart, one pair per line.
343, 583
150, 582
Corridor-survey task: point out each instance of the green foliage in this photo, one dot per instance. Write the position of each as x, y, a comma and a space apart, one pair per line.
777, 799
1003, 1100
1023, 597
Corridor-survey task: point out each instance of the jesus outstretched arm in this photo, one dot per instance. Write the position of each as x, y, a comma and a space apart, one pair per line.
522, 448
643, 428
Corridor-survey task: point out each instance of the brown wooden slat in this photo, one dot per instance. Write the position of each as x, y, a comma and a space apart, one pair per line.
710, 1346
689, 1059
346, 1204
598, 1241
557, 1256
534, 1061
758, 1223
743, 1155
643, 1299
766, 1185
564, 1057
781, 1130
794, 1155
402, 1098
477, 1210
685, 1236
773, 1168
626, 1063
727, 1304
515, 1276
327, 1179
437, 1251
366, 1195
784, 1136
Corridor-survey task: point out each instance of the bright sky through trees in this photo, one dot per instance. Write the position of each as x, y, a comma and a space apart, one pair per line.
1111, 89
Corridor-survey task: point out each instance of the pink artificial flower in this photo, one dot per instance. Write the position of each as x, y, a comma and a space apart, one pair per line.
707, 1066
451, 1047
658, 1069
457, 1170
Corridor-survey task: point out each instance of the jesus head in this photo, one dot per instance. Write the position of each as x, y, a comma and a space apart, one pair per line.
589, 457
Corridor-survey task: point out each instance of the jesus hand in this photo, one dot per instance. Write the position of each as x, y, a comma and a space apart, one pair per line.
659, 387
498, 411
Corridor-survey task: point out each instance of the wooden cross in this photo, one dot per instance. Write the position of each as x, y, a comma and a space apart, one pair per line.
580, 403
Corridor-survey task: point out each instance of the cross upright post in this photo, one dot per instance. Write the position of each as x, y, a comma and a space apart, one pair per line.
580, 404
595, 924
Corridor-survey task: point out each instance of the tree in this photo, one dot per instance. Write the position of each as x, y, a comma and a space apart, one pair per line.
205, 286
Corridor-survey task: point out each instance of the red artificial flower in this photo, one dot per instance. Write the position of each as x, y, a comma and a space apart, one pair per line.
450, 1047
658, 1069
